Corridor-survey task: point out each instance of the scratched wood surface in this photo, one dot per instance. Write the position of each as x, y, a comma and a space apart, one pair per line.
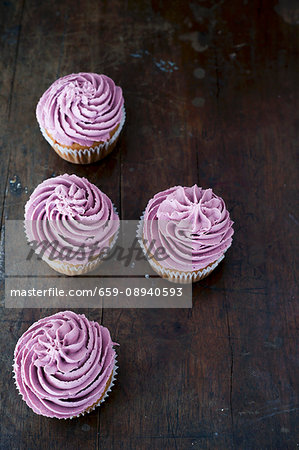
210, 91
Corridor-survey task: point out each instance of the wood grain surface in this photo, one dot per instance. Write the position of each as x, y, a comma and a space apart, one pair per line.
210, 90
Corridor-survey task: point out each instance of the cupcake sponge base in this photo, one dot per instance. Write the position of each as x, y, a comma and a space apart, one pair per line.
110, 383
85, 155
180, 276
73, 269
175, 276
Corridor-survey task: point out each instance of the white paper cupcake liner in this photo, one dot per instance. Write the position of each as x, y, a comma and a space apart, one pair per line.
92, 407
87, 155
72, 269
107, 392
171, 274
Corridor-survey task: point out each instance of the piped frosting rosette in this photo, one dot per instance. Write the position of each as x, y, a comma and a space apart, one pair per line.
64, 365
192, 226
70, 223
81, 115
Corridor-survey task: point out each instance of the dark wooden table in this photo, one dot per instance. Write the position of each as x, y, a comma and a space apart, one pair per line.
210, 92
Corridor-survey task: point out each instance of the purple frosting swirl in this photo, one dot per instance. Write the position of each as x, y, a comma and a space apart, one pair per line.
72, 215
191, 224
63, 363
81, 108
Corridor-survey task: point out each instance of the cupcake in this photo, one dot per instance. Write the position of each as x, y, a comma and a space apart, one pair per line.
64, 365
189, 228
81, 116
71, 224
